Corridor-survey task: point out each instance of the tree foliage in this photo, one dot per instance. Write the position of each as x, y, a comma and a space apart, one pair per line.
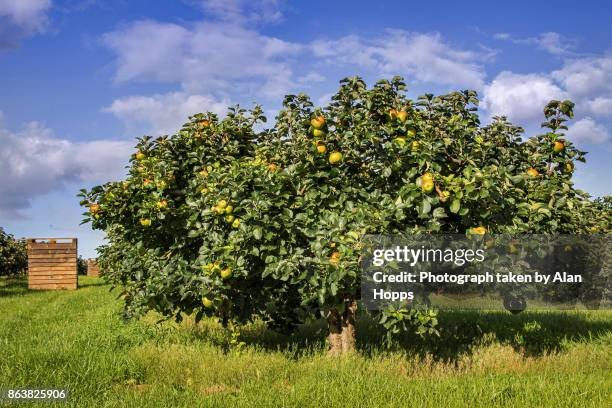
13, 255
226, 219
81, 266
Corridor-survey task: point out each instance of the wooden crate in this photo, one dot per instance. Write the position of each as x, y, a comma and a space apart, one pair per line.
92, 267
52, 263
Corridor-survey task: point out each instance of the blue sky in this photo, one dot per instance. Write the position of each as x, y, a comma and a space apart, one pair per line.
80, 80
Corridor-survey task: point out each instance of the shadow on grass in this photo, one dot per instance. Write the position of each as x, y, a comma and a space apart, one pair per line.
18, 285
92, 284
530, 333
13, 285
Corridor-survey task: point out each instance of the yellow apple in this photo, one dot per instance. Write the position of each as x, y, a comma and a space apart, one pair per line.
207, 302
335, 157
318, 133
318, 122
479, 230
533, 172
427, 186
400, 141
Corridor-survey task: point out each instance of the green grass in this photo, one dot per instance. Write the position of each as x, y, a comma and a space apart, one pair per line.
76, 339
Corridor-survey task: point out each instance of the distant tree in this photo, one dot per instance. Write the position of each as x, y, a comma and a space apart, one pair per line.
13, 256
81, 265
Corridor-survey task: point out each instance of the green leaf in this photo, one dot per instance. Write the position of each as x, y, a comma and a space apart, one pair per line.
455, 205
439, 213
424, 207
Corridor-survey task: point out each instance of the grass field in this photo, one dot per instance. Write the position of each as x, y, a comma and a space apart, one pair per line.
77, 340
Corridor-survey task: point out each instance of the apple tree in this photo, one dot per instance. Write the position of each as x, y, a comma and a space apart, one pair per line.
13, 255
228, 219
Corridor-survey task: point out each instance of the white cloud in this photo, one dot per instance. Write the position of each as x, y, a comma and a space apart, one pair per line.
419, 56
26, 13
601, 106
310, 78
586, 76
551, 42
34, 162
586, 81
346, 50
206, 58
554, 43
587, 130
149, 50
100, 160
225, 57
520, 96
163, 113
502, 36
244, 11
21, 18
219, 57
325, 99
228, 59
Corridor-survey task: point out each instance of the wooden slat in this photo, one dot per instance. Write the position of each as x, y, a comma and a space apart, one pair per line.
42, 262
52, 281
51, 246
54, 273
52, 256
35, 274
52, 260
92, 268
53, 286
52, 263
52, 251
68, 263
46, 275
61, 265
53, 268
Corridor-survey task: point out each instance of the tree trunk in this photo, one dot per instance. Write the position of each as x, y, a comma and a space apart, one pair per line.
334, 324
342, 329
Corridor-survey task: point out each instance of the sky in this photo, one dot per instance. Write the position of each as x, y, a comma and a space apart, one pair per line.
80, 80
